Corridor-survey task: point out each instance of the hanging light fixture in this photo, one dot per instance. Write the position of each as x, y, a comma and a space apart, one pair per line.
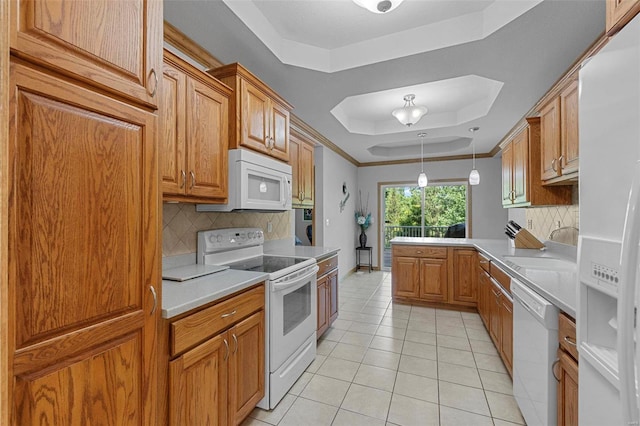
474, 176
378, 6
409, 114
422, 177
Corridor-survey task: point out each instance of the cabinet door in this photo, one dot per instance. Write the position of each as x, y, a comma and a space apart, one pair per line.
307, 174
464, 283
495, 308
405, 276
323, 309
506, 316
521, 167
83, 253
198, 384
569, 143
484, 290
619, 12
172, 131
507, 175
256, 116
333, 296
567, 390
550, 139
113, 44
296, 177
433, 280
207, 136
246, 367
279, 133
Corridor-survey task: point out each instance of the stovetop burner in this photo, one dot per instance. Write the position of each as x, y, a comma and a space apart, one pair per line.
267, 264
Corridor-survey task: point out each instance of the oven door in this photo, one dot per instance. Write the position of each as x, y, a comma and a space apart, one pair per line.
293, 313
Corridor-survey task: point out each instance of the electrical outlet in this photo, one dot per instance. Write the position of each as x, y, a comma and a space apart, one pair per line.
530, 224
269, 227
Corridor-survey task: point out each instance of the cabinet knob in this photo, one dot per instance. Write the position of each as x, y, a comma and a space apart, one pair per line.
155, 77
155, 299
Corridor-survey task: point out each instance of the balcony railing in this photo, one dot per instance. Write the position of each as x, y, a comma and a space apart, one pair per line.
392, 231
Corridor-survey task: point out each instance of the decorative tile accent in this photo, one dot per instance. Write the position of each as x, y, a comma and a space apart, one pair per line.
545, 220
181, 222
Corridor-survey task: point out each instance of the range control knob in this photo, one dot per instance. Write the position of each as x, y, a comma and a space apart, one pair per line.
219, 238
250, 235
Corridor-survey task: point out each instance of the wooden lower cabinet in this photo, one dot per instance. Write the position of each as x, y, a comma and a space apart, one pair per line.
327, 294
434, 274
566, 372
219, 381
506, 343
484, 296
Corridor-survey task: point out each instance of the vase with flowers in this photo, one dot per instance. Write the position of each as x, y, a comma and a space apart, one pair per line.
363, 219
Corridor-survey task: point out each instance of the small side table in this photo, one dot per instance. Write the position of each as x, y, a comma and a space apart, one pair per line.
359, 251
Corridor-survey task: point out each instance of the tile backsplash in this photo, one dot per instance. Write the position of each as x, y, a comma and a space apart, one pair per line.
544, 220
181, 222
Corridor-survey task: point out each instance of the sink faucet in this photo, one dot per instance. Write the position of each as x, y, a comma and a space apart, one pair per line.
562, 228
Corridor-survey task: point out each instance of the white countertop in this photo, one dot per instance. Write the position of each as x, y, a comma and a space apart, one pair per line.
180, 297
558, 287
303, 251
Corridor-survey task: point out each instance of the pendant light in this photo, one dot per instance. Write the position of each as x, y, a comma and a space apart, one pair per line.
422, 177
474, 176
410, 113
378, 6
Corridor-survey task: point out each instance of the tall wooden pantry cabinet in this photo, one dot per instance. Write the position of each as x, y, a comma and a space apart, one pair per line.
82, 228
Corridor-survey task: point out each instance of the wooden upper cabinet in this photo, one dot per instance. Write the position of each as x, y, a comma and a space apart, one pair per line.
550, 135
194, 116
464, 282
115, 45
569, 140
83, 253
619, 13
302, 167
521, 171
261, 116
559, 139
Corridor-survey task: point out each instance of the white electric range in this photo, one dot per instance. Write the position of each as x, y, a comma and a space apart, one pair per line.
291, 302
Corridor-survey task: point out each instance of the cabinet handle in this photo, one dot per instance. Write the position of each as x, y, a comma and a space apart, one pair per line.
273, 142
193, 178
496, 294
570, 341
235, 342
484, 262
553, 369
512, 195
155, 299
229, 314
184, 178
419, 252
560, 160
226, 354
553, 164
155, 77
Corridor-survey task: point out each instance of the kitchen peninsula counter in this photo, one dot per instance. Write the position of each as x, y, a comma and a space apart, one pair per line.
558, 287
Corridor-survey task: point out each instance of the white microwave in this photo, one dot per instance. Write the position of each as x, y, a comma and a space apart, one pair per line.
256, 182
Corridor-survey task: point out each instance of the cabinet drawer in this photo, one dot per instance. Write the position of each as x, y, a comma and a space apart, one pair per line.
203, 324
567, 335
420, 251
484, 262
501, 277
327, 265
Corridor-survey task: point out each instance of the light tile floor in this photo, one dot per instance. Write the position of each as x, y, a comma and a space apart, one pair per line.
389, 364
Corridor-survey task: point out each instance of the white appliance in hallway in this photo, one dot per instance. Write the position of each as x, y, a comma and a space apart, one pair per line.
291, 303
609, 231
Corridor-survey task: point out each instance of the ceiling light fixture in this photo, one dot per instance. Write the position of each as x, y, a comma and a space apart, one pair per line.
409, 114
474, 176
378, 6
422, 177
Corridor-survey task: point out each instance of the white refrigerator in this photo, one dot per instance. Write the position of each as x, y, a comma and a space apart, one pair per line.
609, 231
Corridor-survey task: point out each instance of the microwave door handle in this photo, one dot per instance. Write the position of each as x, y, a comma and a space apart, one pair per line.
626, 302
287, 185
279, 285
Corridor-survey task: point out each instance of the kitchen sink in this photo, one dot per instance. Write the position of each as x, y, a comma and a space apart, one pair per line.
544, 263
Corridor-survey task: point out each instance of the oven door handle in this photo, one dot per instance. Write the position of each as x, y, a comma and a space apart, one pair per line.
283, 284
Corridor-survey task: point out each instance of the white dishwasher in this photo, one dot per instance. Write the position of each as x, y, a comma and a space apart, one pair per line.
535, 343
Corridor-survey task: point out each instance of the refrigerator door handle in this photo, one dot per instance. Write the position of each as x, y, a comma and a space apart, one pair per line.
626, 303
